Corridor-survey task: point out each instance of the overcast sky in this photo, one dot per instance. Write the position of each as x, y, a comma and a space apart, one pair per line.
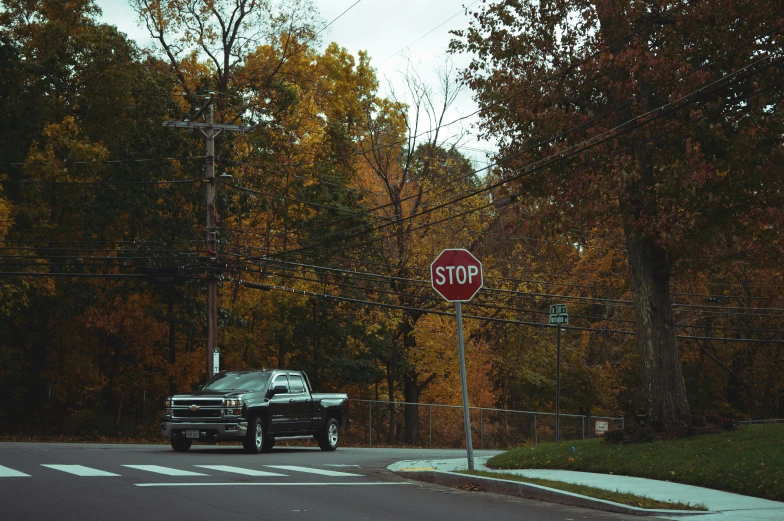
390, 31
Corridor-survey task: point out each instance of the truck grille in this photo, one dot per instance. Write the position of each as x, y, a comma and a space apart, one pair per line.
201, 413
200, 402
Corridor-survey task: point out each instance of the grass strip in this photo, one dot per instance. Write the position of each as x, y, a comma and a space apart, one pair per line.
625, 498
749, 460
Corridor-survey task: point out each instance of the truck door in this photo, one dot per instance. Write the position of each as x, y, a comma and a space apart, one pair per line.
302, 403
282, 417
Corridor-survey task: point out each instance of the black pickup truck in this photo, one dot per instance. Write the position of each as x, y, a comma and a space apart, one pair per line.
257, 408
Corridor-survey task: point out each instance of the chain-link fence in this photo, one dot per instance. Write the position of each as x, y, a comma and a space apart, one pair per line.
382, 423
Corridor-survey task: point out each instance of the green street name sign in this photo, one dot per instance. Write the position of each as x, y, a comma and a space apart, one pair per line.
558, 309
559, 319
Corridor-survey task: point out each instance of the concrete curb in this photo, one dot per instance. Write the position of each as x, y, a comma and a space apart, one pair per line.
538, 492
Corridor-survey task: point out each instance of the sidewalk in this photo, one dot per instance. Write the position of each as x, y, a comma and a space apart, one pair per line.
722, 506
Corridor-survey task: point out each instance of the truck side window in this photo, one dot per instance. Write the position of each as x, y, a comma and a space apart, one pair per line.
281, 380
297, 387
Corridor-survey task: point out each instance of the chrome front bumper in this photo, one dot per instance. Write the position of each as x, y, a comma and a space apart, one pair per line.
225, 430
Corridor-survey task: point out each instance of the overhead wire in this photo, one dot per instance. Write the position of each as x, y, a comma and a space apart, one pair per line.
552, 77
367, 262
92, 162
424, 284
648, 117
462, 10
271, 287
590, 121
338, 17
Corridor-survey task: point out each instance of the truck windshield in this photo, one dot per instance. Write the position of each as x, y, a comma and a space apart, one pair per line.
237, 381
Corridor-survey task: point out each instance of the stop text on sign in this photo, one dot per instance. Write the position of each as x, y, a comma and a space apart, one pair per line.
456, 275
462, 274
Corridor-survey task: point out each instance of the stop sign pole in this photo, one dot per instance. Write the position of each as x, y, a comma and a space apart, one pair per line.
457, 276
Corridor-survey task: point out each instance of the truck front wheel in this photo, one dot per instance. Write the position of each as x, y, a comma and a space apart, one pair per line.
254, 438
181, 444
330, 436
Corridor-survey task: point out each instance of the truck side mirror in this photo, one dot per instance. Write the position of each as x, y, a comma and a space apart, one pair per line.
279, 389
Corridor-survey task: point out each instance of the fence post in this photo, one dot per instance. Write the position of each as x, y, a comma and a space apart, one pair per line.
481, 431
430, 423
536, 432
370, 423
583, 419
623, 423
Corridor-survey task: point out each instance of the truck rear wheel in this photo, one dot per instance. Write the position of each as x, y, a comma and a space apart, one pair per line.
254, 438
181, 444
330, 436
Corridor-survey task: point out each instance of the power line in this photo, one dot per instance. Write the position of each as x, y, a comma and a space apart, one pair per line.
491, 305
72, 275
564, 71
336, 18
648, 117
382, 62
69, 162
270, 287
531, 295
66, 183
295, 200
367, 262
589, 122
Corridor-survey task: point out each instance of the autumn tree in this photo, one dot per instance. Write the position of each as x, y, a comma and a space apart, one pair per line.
83, 94
636, 111
224, 33
411, 164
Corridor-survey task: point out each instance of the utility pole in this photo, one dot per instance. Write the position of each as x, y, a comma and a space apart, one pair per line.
210, 130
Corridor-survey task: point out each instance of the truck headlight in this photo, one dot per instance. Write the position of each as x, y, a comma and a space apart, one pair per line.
232, 402
167, 403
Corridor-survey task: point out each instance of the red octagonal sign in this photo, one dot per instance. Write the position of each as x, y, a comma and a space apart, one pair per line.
456, 275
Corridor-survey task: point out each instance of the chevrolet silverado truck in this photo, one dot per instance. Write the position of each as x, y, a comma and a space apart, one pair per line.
257, 408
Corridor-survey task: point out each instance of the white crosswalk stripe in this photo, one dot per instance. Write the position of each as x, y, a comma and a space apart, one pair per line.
84, 471
80, 470
239, 470
309, 470
165, 470
5, 472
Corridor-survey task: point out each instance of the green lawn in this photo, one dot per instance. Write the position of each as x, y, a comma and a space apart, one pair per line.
747, 461
599, 493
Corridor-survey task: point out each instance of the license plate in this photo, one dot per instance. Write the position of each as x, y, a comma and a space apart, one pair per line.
192, 434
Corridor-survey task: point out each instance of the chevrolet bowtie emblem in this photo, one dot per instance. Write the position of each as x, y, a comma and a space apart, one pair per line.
194, 407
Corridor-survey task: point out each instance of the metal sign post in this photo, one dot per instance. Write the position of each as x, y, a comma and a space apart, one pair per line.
558, 388
457, 276
558, 316
464, 384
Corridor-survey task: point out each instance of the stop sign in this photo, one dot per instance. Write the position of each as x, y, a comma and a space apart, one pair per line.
456, 275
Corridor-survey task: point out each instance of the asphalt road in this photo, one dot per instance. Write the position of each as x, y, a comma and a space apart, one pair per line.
86, 482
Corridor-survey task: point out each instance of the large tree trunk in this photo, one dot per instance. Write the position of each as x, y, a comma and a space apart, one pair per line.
413, 388
411, 392
663, 388
391, 376
664, 391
